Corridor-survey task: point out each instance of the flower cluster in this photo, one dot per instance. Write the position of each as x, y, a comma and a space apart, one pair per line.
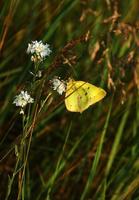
22, 100
38, 50
58, 85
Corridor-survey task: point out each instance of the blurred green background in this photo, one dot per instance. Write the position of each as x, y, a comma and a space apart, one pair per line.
88, 156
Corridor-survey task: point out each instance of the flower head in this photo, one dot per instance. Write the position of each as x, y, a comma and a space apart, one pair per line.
22, 100
58, 85
38, 50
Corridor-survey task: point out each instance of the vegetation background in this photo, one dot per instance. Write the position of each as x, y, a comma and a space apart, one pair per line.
88, 156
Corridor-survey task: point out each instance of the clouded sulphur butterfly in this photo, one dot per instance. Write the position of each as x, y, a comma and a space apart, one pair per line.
80, 95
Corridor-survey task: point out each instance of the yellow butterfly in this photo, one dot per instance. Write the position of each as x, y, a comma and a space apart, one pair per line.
80, 95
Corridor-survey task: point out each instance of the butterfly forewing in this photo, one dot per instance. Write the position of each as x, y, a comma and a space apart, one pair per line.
75, 100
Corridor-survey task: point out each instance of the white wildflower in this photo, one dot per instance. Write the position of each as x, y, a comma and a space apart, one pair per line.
38, 74
22, 100
38, 50
58, 85
22, 111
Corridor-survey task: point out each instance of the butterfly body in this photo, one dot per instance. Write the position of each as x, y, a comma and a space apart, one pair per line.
80, 95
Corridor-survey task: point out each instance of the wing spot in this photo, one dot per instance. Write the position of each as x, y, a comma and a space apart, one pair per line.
80, 97
88, 88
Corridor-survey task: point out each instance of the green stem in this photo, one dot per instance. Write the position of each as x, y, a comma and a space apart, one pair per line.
12, 179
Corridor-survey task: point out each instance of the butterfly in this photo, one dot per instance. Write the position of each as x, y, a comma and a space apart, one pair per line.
80, 95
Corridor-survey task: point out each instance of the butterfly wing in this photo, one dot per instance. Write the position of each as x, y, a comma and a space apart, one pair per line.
93, 93
75, 99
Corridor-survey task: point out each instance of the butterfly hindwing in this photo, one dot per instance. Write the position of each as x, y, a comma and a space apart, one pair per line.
94, 93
